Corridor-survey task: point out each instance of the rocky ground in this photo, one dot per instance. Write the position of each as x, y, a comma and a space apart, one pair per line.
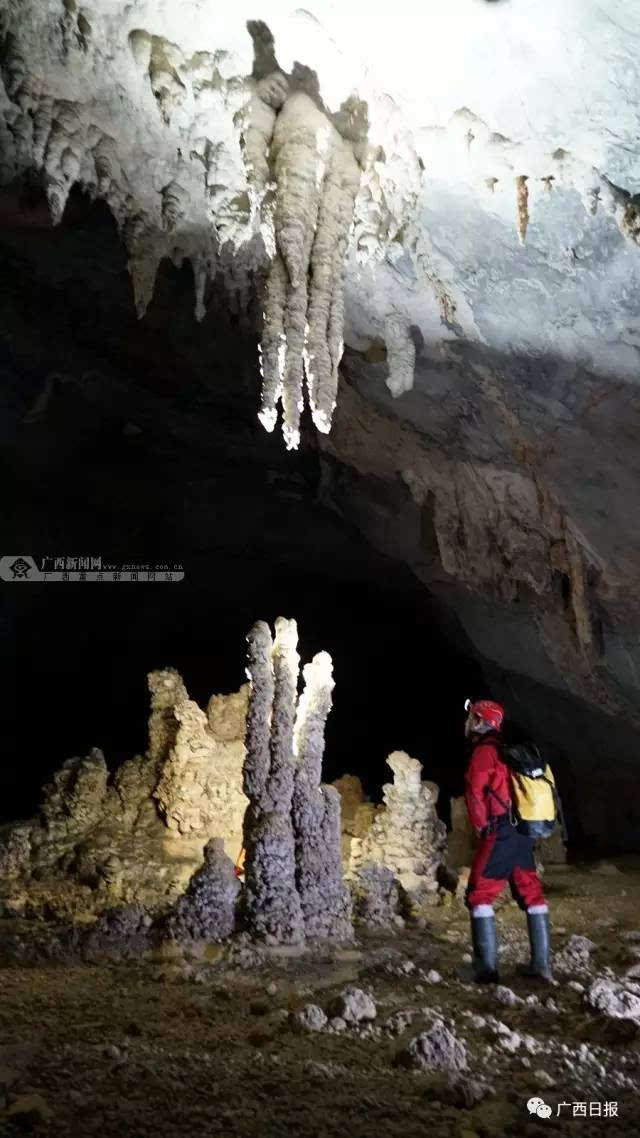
387, 1036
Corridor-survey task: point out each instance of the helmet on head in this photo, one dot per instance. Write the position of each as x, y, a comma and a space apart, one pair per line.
491, 713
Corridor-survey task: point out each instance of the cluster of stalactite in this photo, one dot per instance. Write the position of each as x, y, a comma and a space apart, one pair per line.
316, 176
293, 875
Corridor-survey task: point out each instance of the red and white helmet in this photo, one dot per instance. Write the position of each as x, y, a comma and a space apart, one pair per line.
491, 713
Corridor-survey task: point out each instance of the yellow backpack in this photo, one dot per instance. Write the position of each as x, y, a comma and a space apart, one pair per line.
534, 798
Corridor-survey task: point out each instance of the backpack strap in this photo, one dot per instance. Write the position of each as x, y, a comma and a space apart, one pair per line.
490, 790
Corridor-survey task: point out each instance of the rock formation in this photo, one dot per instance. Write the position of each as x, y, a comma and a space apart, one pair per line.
207, 909
293, 874
325, 901
406, 837
167, 691
272, 910
357, 812
461, 840
317, 178
136, 837
198, 789
378, 900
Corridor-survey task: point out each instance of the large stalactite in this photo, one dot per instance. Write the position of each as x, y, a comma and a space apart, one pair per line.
317, 178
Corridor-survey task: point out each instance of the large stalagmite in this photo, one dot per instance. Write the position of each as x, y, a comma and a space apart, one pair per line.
325, 901
272, 910
293, 867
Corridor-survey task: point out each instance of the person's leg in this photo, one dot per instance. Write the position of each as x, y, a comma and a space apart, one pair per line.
482, 891
527, 889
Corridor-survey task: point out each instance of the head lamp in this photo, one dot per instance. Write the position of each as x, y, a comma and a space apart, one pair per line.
467, 705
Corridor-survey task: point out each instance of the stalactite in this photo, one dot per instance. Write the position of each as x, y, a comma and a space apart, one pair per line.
173, 206
271, 903
62, 156
273, 347
146, 248
522, 196
267, 99
401, 354
324, 345
299, 152
317, 180
106, 163
316, 812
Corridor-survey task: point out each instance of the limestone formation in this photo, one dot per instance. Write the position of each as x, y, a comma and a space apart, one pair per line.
293, 873
136, 836
15, 851
436, 1049
357, 812
461, 840
167, 690
401, 354
353, 1006
207, 910
74, 799
325, 901
407, 836
378, 898
615, 999
198, 790
272, 909
317, 178
125, 930
309, 1018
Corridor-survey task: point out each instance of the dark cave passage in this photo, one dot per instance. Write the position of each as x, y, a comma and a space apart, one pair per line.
195, 480
400, 684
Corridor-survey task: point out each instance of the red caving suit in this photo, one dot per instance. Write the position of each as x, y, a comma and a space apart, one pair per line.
503, 855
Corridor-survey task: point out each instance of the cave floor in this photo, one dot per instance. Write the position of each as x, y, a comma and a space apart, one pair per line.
205, 1047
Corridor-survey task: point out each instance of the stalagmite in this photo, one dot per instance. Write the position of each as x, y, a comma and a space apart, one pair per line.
324, 899
167, 689
271, 903
207, 909
407, 837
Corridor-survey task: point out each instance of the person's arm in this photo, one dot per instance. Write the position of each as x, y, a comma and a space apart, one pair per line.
476, 783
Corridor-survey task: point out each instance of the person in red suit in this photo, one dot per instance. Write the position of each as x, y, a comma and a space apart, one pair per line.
503, 856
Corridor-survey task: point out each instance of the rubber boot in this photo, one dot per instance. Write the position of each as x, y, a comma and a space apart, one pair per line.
485, 949
540, 941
